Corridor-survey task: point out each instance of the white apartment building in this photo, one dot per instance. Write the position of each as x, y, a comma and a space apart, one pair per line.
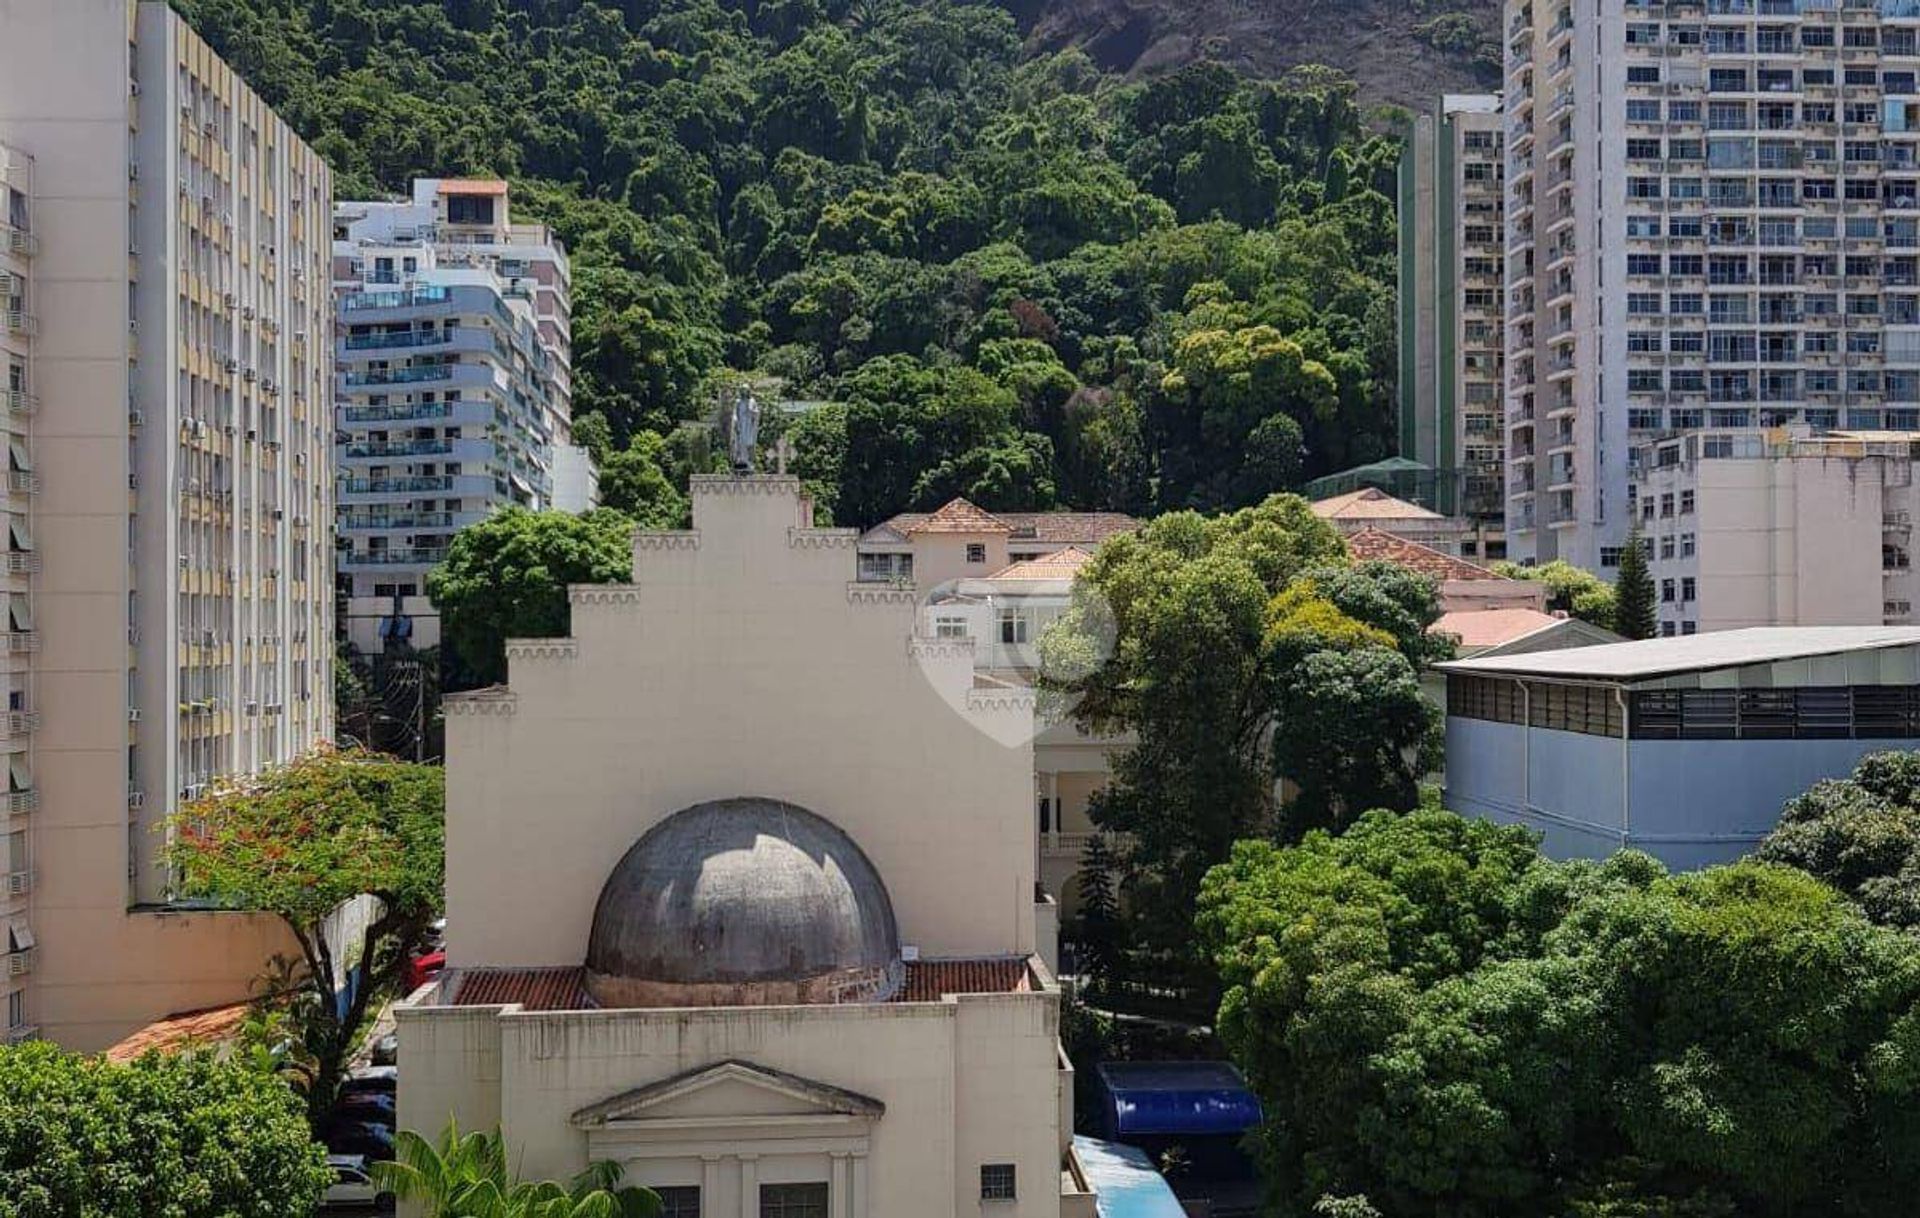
1451, 336
1779, 528
454, 390
169, 504
1711, 224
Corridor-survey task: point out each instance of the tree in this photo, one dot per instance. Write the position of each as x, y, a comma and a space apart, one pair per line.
181, 1135
1861, 835
507, 577
1437, 1017
1099, 913
634, 483
466, 1176
1635, 615
1569, 589
304, 839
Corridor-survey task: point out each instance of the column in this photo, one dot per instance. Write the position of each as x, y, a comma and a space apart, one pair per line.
749, 1186
709, 1183
859, 1207
841, 1186
1053, 798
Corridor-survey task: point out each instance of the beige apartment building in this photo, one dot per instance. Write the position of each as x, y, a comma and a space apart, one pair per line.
788, 955
1787, 527
169, 500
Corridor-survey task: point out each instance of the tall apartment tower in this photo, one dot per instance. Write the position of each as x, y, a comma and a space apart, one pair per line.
1712, 223
169, 505
1452, 251
454, 390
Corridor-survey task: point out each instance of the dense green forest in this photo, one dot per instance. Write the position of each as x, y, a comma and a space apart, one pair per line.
1016, 278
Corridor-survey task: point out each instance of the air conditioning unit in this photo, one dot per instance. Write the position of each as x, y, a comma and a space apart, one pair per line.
233, 365
133, 714
253, 708
231, 300
248, 312
252, 434
186, 109
207, 127
133, 482
133, 88
133, 171
184, 561
279, 514
253, 375
136, 800
136, 418
206, 638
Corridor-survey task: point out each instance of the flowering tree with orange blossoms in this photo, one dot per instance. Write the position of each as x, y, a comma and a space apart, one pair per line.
300, 842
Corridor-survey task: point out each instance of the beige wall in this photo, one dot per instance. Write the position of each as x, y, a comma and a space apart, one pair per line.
940, 557
698, 684
965, 1082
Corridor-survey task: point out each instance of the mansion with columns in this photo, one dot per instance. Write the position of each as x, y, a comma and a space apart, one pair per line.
743, 894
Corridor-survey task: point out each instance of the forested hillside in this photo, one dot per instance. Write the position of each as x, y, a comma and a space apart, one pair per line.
1017, 278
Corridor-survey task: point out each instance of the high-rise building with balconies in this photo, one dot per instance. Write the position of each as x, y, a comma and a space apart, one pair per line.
1452, 251
454, 390
1712, 224
168, 501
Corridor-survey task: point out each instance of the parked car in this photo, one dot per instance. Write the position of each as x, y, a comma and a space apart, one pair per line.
386, 1049
365, 1106
424, 968
353, 1188
370, 1139
376, 1080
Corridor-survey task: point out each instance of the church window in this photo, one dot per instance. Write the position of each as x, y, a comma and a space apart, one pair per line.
793, 1201
679, 1201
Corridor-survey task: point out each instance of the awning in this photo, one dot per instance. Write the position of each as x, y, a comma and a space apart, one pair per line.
20, 612
17, 531
22, 459
1144, 1098
1125, 1182
21, 936
19, 772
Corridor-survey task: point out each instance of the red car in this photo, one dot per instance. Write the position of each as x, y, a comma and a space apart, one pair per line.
424, 968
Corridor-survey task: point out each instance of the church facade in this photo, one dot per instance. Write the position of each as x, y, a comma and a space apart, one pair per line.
742, 895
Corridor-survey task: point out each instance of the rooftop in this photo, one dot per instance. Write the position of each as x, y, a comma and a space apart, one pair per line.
565, 989
1061, 564
1693, 653
185, 1030
1479, 629
1084, 529
1376, 545
472, 186
1370, 503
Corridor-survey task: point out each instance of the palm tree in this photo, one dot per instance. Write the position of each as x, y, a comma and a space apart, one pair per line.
466, 1176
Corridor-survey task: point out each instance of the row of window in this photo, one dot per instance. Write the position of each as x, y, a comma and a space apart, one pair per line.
1686, 418
1837, 712
813, 1200
1769, 39
1898, 232
1785, 387
1785, 193
1741, 308
1773, 80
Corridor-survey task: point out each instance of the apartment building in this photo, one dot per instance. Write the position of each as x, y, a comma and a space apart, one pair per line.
169, 505
1712, 224
1779, 528
454, 390
1452, 340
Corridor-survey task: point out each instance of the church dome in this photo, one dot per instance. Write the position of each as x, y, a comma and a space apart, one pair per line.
743, 902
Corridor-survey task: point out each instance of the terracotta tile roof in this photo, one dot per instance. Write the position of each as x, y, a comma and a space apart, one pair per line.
187, 1030
1370, 503
959, 516
932, 980
1479, 629
1061, 564
536, 989
473, 186
1083, 529
1375, 545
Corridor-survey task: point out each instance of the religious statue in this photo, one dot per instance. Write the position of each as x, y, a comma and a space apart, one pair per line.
744, 432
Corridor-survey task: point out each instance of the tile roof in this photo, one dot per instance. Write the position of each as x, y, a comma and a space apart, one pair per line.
959, 516
1685, 653
1370, 503
932, 980
472, 186
1377, 545
186, 1030
1479, 629
536, 989
1084, 529
1061, 564
564, 989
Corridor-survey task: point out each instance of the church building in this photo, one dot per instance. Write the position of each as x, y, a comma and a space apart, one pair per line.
742, 896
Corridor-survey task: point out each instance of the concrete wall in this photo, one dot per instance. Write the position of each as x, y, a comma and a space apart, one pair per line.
740, 663
940, 557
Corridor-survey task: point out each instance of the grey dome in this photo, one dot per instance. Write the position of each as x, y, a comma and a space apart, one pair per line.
738, 902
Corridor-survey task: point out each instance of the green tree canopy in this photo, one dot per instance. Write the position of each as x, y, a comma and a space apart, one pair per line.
1861, 835
507, 577
1443, 1020
468, 1176
182, 1136
1635, 614
301, 840
1570, 589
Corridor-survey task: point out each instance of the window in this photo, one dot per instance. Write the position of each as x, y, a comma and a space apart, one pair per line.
17, 1009
996, 1182
976, 551
950, 628
679, 1201
1686, 502
1013, 626
1688, 588
793, 1201
1666, 546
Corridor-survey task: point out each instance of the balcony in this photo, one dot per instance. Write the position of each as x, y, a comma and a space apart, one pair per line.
396, 414
399, 448
20, 803
20, 963
389, 486
412, 520
18, 322
22, 562
400, 376
22, 482
18, 241
21, 1033
20, 722
422, 556
20, 883
19, 401
22, 642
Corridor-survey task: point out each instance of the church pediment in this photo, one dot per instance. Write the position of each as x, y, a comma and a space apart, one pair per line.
728, 1091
